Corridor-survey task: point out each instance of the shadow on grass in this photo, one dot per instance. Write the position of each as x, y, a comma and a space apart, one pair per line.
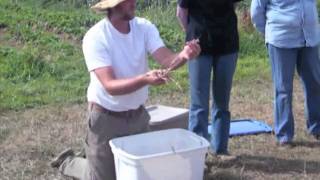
271, 165
223, 175
308, 144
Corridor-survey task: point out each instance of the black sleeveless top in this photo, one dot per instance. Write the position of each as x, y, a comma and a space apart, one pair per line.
214, 22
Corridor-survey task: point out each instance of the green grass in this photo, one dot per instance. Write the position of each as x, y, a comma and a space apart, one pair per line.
41, 60
41, 63
43, 67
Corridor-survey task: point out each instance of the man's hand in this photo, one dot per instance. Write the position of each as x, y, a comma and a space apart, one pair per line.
191, 50
156, 77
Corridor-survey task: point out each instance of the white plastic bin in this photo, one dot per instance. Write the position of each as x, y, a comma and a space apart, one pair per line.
173, 154
166, 117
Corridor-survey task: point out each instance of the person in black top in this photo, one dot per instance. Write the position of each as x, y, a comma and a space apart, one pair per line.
214, 23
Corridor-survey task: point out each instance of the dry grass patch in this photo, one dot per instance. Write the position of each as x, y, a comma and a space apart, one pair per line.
30, 138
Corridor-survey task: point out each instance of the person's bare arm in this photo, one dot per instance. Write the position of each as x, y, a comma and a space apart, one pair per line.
165, 56
182, 15
126, 85
171, 60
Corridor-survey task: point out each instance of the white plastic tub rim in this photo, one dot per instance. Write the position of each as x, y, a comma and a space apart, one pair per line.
142, 162
203, 144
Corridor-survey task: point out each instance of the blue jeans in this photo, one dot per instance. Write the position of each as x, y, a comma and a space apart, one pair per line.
200, 70
283, 63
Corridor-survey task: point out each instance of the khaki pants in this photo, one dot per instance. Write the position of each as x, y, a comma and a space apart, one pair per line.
102, 127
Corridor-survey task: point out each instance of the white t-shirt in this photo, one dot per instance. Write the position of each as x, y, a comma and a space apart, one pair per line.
103, 45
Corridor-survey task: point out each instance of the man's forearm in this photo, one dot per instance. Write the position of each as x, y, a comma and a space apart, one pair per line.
121, 86
168, 59
176, 61
125, 86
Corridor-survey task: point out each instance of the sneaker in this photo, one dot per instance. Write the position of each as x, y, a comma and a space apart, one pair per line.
58, 160
225, 157
285, 144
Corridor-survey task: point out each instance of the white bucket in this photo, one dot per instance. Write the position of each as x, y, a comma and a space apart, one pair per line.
172, 154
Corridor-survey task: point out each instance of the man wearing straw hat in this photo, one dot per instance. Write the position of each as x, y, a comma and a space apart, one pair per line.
115, 51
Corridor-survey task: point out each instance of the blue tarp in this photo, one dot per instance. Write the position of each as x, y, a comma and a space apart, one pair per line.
241, 127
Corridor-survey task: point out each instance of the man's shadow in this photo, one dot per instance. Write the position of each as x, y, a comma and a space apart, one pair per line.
278, 165
266, 164
308, 144
269, 164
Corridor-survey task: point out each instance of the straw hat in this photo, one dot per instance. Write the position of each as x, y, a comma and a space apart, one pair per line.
103, 5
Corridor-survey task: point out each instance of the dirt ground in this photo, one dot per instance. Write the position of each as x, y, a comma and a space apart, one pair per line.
30, 138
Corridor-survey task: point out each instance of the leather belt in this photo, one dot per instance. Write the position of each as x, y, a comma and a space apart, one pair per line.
99, 108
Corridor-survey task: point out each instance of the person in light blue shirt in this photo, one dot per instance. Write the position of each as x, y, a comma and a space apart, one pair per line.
292, 34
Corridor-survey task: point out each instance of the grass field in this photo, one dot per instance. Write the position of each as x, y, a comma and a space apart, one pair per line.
41, 59
30, 138
43, 82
